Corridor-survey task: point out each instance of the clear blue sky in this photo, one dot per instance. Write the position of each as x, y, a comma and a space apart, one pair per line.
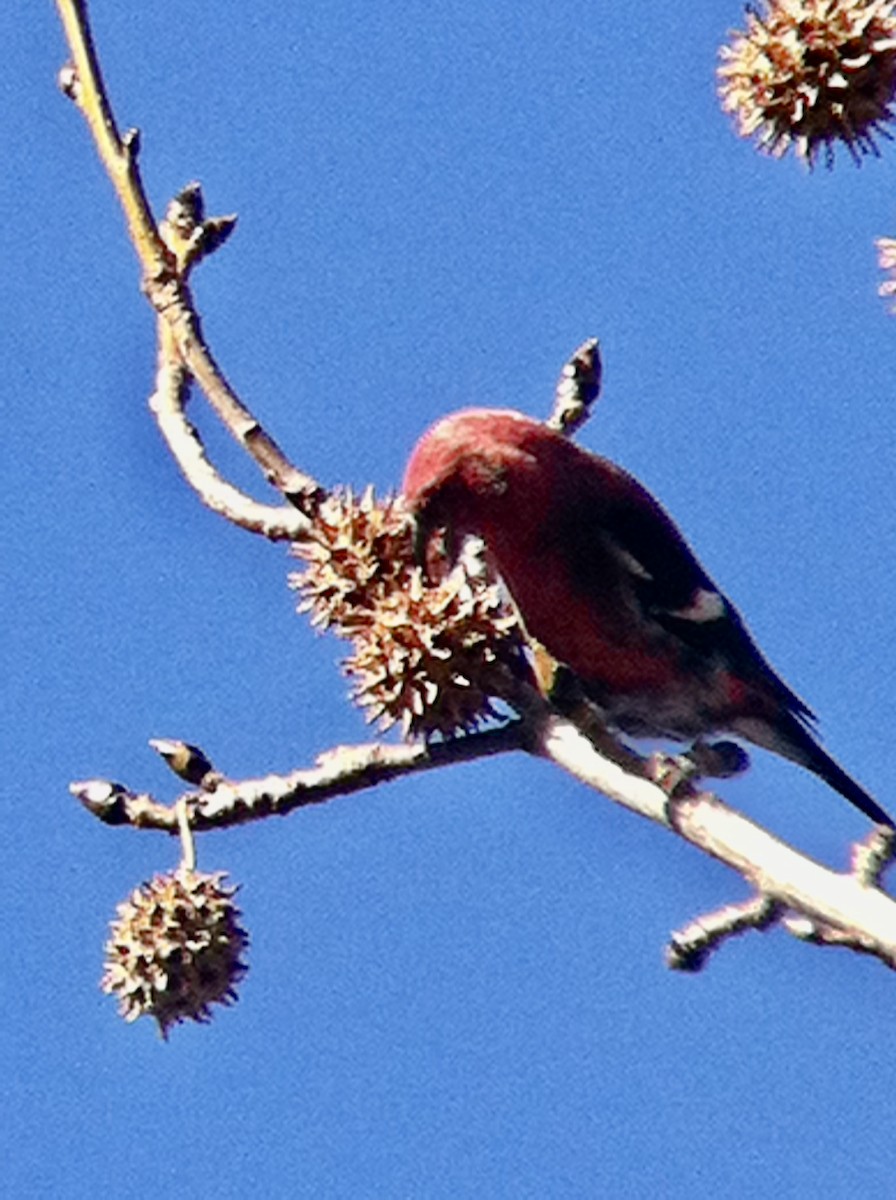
456, 985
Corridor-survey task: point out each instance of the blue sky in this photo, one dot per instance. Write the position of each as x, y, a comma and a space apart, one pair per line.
456, 984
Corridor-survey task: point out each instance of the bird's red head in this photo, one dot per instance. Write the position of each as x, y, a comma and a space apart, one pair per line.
467, 469
468, 446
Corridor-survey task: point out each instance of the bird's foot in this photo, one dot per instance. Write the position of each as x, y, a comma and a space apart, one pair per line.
718, 760
715, 760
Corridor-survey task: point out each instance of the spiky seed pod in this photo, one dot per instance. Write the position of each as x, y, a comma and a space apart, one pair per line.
175, 949
433, 657
356, 552
427, 657
810, 73
886, 257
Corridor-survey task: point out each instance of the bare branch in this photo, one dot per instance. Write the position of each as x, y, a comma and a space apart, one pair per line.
690, 947
821, 905
339, 772
278, 523
865, 915
164, 276
861, 915
82, 82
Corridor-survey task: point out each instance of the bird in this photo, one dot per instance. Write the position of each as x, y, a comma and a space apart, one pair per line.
604, 580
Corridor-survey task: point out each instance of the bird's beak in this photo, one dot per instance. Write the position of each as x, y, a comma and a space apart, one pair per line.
421, 532
433, 554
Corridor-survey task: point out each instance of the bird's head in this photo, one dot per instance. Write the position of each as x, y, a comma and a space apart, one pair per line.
456, 473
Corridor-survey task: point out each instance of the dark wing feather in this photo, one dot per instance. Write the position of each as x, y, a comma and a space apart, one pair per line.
670, 586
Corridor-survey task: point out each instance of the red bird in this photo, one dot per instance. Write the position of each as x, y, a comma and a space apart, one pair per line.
604, 580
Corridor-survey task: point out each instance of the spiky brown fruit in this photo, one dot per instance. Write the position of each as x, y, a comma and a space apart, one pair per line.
810, 73
433, 658
175, 949
886, 257
357, 551
429, 657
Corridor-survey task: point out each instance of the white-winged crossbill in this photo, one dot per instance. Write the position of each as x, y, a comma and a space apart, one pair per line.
603, 579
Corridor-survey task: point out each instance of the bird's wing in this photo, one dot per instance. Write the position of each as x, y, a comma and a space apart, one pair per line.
621, 521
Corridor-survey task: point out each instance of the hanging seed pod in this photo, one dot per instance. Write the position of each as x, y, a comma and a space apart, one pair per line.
175, 949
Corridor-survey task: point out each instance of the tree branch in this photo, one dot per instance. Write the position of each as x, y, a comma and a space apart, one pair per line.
338, 772
164, 277
278, 523
689, 948
793, 891
808, 899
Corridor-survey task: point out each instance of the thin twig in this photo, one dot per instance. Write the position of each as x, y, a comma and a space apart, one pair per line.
278, 523
689, 948
340, 772
83, 83
163, 285
187, 841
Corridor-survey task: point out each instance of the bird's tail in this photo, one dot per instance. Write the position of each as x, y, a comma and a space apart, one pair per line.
791, 738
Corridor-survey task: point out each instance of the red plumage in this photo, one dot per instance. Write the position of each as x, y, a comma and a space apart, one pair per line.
604, 580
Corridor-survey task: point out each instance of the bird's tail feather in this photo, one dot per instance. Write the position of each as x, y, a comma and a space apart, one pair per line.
794, 741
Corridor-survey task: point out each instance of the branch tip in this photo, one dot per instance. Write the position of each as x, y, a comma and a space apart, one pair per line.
164, 273
106, 800
578, 388
188, 762
872, 855
688, 949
